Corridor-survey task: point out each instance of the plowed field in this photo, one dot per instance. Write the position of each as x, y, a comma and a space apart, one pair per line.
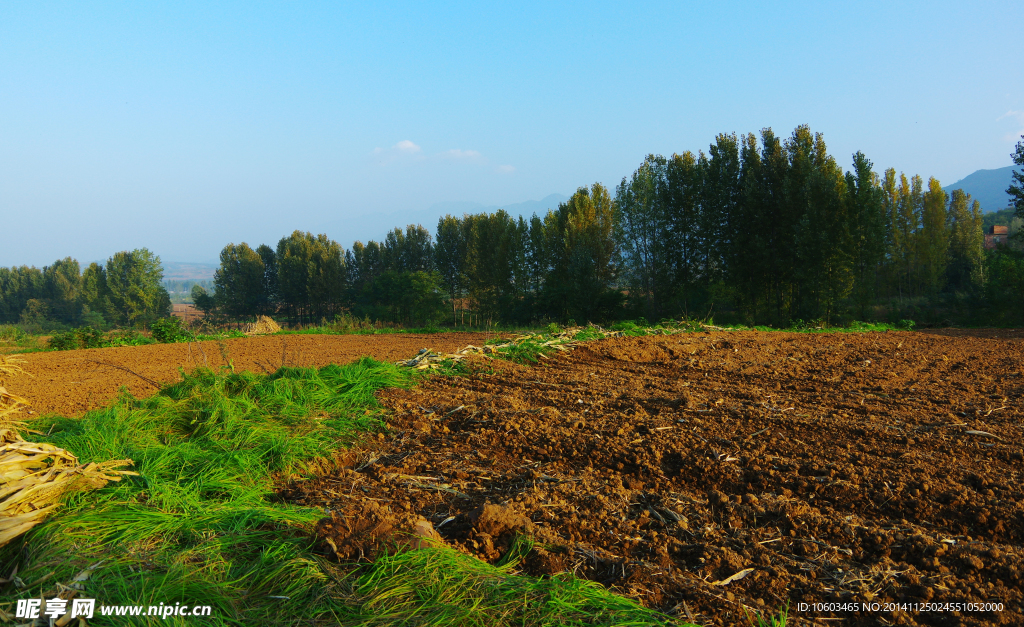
706, 473
71, 382
698, 473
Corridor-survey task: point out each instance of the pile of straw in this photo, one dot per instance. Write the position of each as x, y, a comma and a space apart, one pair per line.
264, 325
35, 477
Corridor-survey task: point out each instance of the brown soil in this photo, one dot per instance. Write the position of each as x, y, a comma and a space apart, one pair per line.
71, 382
839, 468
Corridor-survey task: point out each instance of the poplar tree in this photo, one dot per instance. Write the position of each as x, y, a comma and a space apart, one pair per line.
719, 222
966, 243
933, 238
867, 229
450, 258
640, 230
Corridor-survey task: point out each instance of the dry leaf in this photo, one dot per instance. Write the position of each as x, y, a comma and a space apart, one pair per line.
731, 578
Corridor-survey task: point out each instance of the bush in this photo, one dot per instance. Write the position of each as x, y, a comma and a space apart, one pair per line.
169, 331
84, 337
11, 333
63, 341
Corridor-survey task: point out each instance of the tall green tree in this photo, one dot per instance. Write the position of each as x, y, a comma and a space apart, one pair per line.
640, 228
770, 210
580, 250
965, 271
817, 192
901, 206
134, 283
868, 228
719, 219
240, 282
450, 259
95, 293
312, 276
497, 266
684, 251
1016, 189
269, 296
933, 239
63, 290
18, 285
409, 251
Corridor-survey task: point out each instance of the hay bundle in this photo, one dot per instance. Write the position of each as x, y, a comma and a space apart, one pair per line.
35, 477
9, 403
264, 325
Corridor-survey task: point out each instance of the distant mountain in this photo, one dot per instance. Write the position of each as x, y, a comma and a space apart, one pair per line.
987, 187
525, 209
182, 271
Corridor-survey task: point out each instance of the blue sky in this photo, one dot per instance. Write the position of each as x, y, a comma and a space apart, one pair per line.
184, 126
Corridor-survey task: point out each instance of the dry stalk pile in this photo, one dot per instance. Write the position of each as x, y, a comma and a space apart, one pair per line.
564, 341
427, 359
264, 325
34, 477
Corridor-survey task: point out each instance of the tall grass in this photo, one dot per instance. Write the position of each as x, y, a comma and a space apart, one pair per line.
438, 587
201, 525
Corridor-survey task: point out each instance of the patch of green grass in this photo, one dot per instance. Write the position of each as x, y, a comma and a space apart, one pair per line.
588, 334
524, 351
201, 524
437, 587
630, 328
770, 621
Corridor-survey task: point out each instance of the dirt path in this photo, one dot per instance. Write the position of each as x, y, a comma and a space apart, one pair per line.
706, 473
71, 382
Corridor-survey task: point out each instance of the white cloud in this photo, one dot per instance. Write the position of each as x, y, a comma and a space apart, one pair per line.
456, 154
403, 149
407, 147
409, 152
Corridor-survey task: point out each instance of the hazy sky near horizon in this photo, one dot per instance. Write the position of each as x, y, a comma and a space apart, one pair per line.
184, 126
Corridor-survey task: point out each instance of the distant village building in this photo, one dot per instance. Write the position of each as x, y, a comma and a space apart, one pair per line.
995, 236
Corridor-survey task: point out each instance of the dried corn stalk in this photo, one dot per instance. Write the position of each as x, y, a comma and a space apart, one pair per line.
34, 476
9, 403
427, 359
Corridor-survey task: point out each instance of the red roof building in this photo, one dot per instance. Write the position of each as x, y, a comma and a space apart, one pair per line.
995, 236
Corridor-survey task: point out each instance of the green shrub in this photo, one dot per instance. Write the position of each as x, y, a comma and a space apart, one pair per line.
12, 333
169, 330
83, 337
63, 341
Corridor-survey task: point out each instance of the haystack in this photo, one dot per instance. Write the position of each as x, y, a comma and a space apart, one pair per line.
34, 476
264, 325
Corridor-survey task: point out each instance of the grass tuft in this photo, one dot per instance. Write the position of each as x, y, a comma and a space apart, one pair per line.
439, 586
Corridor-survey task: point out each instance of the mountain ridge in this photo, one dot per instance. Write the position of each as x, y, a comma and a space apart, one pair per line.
988, 187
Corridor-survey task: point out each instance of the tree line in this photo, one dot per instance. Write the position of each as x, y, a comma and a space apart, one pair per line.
125, 291
760, 228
